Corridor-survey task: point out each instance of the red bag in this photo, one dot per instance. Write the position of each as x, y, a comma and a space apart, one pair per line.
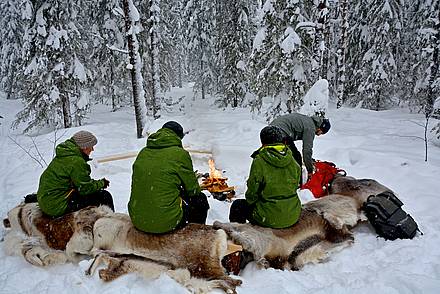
320, 180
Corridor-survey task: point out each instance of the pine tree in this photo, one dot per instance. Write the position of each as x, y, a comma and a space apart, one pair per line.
200, 16
52, 80
234, 48
279, 62
341, 53
131, 21
107, 54
15, 16
379, 25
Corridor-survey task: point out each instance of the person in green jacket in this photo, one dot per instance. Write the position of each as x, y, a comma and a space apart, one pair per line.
296, 126
271, 197
65, 186
165, 193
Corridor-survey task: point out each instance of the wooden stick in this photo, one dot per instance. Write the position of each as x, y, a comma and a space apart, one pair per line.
134, 154
232, 247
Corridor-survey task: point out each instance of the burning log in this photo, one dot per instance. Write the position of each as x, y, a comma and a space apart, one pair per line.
216, 184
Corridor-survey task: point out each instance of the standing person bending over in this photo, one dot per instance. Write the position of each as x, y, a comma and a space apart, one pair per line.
65, 186
165, 193
296, 126
271, 198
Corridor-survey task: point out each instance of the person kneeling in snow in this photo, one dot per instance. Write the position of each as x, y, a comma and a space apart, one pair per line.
165, 193
296, 126
65, 186
271, 198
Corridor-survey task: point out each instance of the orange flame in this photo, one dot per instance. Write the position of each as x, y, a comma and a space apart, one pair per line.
213, 172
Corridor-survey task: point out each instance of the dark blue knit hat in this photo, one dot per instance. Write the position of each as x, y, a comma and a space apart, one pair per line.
325, 126
175, 127
271, 135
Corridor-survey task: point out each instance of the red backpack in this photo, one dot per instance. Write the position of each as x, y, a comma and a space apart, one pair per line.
320, 180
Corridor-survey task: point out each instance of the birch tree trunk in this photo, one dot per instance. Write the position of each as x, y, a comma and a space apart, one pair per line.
342, 51
131, 17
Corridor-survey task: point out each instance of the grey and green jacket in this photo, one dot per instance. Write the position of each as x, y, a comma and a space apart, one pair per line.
272, 185
300, 127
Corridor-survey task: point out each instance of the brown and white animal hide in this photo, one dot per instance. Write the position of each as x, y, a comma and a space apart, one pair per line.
310, 240
340, 211
359, 189
119, 264
43, 240
197, 248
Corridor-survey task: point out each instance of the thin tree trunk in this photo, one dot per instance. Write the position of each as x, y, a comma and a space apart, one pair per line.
321, 27
342, 51
155, 66
11, 82
136, 76
66, 111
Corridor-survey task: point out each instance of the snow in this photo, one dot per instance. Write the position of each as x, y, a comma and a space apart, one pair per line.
316, 99
366, 144
291, 41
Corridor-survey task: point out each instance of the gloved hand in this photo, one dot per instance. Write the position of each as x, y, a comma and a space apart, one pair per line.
106, 183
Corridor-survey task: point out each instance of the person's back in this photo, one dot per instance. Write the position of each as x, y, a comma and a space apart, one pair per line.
272, 186
162, 175
296, 125
271, 197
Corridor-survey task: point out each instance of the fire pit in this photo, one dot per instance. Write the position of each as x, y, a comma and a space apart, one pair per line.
216, 184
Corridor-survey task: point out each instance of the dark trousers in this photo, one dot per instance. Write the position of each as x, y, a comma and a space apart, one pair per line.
240, 211
101, 197
195, 210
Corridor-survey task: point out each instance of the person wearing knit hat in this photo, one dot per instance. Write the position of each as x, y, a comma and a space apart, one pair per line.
66, 186
165, 194
84, 139
296, 126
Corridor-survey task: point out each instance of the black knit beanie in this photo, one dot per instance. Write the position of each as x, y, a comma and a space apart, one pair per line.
325, 126
271, 135
175, 127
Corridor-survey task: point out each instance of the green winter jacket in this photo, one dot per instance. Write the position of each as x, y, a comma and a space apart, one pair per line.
272, 185
300, 127
162, 171
66, 173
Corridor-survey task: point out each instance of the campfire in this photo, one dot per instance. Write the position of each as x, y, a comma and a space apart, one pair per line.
216, 184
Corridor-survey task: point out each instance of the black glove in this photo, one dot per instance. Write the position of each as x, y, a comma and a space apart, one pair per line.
106, 183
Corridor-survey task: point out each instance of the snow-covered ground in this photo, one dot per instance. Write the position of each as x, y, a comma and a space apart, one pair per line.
367, 144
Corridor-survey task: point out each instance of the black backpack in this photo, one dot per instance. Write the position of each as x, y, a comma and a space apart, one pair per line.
388, 218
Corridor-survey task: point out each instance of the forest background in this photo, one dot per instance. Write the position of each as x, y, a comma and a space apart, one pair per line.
60, 56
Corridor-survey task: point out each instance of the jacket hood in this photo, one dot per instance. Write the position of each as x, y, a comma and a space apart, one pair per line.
278, 155
69, 148
317, 120
163, 138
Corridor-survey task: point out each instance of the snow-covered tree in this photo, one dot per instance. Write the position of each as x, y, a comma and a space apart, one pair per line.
135, 66
107, 54
341, 52
200, 24
279, 61
426, 66
376, 33
15, 16
50, 83
235, 43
